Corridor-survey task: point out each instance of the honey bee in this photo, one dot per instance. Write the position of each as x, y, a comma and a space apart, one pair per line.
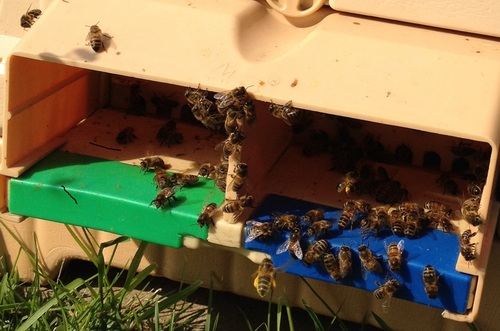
151, 163
412, 215
234, 98
284, 221
463, 149
249, 111
177, 179
376, 219
349, 183
239, 177
475, 189
194, 97
386, 291
126, 136
439, 214
261, 230
292, 244
347, 215
167, 134
470, 211
368, 259
228, 149
161, 178
448, 184
345, 261
236, 137
265, 280
207, 214
430, 278
313, 215
331, 265
221, 176
165, 196
389, 192
319, 228
236, 207
413, 224
351, 207
289, 114
467, 249
207, 170
233, 121
315, 251
395, 255
28, 19
95, 38
396, 222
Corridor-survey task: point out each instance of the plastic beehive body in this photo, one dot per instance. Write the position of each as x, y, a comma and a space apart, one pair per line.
420, 88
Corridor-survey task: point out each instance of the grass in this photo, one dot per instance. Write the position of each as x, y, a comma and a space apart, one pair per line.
123, 300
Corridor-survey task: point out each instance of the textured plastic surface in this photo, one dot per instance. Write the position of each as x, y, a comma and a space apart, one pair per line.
432, 247
464, 15
110, 196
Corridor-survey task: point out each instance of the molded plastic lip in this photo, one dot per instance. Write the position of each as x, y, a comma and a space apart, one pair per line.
110, 196
296, 8
433, 247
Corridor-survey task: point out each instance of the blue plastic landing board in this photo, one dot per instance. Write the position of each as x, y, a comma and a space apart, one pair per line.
432, 247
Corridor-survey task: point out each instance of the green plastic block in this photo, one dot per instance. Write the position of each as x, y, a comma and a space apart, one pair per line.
110, 196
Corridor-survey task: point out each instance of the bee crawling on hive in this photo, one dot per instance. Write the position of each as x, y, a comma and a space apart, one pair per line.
430, 278
237, 206
163, 197
395, 255
126, 136
153, 163
368, 260
95, 38
261, 230
207, 214
386, 291
292, 244
28, 19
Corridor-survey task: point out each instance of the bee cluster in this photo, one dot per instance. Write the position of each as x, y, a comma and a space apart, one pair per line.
226, 112
167, 183
366, 247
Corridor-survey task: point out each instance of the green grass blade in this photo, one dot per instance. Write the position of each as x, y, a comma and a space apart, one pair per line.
381, 322
341, 324
245, 318
317, 323
473, 326
89, 252
289, 315
269, 309
279, 310
172, 299
208, 321
134, 265
51, 302
140, 277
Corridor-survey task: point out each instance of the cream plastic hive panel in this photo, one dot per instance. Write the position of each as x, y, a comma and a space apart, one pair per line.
465, 15
432, 90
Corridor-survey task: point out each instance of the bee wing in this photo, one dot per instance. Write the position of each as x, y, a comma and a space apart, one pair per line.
387, 303
297, 250
401, 246
364, 271
253, 232
283, 247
